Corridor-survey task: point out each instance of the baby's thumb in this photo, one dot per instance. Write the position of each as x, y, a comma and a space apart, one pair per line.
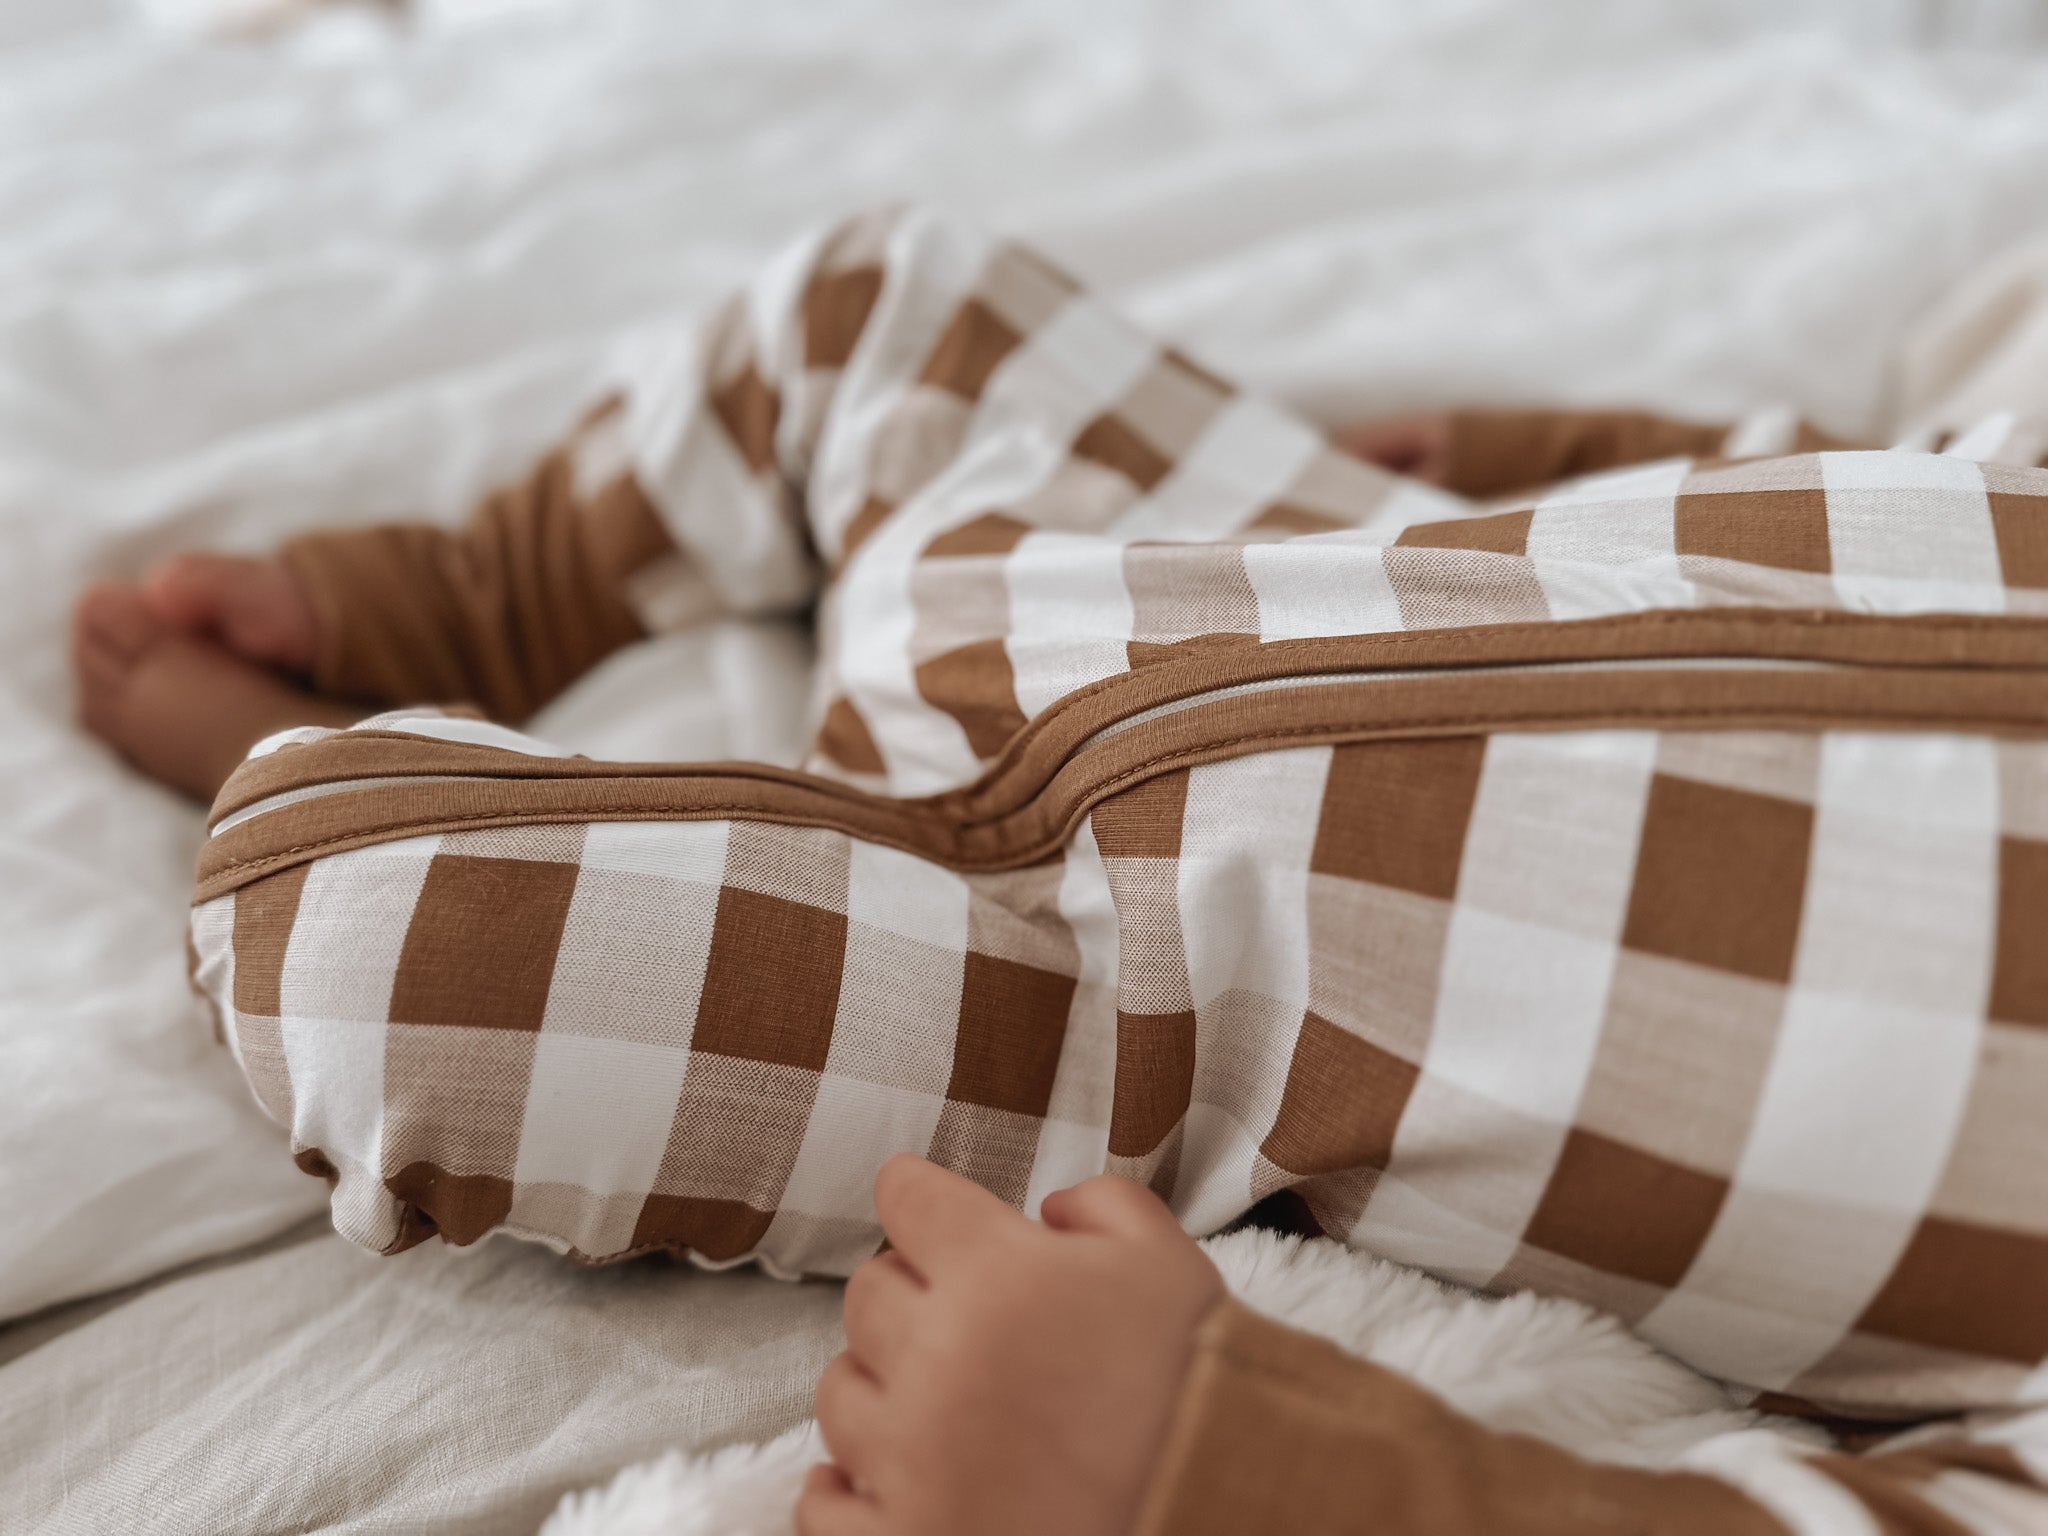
1110, 1207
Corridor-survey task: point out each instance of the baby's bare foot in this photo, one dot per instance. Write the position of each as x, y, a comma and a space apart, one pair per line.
183, 710
1416, 446
255, 608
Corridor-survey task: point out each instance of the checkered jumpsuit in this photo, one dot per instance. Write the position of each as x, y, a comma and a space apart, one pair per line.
1636, 892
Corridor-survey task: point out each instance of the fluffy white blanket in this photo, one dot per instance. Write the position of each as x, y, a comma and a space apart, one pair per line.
1551, 1369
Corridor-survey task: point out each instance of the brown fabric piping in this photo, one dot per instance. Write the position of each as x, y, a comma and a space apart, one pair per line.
1985, 676
1811, 635
1381, 710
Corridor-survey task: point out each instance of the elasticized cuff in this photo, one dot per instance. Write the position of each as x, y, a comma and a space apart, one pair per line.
1278, 1431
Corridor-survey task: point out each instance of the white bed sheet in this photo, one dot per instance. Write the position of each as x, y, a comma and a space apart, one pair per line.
243, 291
315, 1388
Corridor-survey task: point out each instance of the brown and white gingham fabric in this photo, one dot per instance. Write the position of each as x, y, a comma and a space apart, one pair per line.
1733, 1023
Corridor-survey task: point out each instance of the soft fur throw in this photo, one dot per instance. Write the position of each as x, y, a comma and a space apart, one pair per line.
1549, 1368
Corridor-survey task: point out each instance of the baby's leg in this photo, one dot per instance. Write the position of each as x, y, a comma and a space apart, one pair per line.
699, 1034
212, 652
731, 475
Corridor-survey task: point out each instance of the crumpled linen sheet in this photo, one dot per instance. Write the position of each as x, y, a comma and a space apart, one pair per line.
361, 274
314, 1388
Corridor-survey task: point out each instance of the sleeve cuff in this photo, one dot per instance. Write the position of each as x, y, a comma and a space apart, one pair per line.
1279, 1431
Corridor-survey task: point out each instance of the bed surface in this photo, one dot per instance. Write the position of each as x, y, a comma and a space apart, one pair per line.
357, 274
314, 1388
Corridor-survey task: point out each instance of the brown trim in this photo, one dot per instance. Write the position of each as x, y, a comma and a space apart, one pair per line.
1817, 635
2012, 642
1934, 672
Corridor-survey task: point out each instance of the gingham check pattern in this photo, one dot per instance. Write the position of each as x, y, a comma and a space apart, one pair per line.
1017, 493
1739, 1034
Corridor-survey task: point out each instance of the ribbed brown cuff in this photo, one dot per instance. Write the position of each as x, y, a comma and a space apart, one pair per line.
1278, 1431
380, 638
503, 613
1495, 452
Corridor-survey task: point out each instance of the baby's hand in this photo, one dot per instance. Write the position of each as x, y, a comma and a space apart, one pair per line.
1416, 446
1001, 1376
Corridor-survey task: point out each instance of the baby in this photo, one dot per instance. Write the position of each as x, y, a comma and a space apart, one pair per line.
1192, 804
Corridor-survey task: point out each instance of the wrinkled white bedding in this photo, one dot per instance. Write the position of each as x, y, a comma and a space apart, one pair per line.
361, 274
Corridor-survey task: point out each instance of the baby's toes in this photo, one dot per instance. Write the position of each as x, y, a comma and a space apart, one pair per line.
252, 606
190, 590
113, 624
111, 630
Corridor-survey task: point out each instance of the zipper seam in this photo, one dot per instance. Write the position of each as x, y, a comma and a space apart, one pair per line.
1042, 839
